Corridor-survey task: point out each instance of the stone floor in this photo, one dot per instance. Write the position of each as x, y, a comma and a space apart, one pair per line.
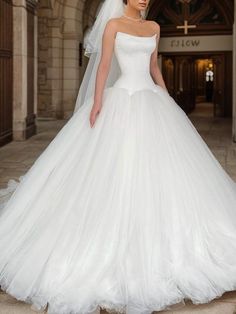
17, 157
224, 305
203, 109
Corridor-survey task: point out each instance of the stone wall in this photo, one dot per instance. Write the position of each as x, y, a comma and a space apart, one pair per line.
234, 75
60, 63
25, 68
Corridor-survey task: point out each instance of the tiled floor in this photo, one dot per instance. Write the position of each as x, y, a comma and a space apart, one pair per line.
17, 157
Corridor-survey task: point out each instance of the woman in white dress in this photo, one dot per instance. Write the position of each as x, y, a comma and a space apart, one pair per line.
127, 209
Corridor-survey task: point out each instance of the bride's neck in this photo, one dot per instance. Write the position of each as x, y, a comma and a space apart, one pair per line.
132, 12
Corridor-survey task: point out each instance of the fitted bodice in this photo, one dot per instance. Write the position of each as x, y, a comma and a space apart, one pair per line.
133, 54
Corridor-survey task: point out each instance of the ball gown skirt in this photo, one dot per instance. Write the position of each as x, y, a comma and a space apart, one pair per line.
133, 215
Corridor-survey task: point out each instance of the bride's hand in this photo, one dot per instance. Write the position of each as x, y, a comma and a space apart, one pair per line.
94, 113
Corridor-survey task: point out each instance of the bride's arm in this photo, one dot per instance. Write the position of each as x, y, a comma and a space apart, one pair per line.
103, 68
154, 67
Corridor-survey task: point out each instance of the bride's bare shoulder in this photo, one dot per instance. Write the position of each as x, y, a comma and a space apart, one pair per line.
114, 22
154, 26
112, 25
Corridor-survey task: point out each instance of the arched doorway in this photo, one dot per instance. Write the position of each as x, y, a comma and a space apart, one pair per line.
188, 78
193, 31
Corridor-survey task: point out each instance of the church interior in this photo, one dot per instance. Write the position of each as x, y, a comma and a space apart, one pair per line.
42, 64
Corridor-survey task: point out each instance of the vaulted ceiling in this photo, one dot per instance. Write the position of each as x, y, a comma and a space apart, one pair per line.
210, 16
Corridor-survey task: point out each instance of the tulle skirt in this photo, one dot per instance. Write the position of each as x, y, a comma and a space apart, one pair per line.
132, 215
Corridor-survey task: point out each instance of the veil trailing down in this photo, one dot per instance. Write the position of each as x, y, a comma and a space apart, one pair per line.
110, 9
133, 215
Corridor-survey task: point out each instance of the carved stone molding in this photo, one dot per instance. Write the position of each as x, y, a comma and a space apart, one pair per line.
31, 5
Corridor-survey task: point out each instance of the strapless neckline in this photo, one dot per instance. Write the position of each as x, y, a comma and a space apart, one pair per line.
133, 53
136, 36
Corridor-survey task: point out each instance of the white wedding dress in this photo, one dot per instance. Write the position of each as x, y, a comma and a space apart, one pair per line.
132, 215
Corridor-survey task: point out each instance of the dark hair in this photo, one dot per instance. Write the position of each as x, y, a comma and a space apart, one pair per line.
125, 1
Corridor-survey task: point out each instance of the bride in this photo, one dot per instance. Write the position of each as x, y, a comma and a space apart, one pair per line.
127, 209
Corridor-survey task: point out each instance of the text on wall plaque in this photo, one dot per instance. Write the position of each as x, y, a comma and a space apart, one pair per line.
185, 43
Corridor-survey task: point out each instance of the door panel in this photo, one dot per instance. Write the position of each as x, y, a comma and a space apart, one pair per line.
178, 75
168, 74
185, 83
6, 79
218, 89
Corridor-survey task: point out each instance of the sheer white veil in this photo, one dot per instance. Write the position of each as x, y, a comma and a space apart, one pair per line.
110, 9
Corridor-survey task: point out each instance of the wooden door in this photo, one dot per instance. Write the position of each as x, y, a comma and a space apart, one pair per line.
6, 78
219, 85
178, 73
184, 81
169, 74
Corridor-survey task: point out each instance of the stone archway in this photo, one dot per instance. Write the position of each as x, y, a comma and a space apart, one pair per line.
61, 61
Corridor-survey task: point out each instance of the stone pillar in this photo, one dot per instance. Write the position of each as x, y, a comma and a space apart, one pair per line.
71, 73
60, 68
72, 37
50, 63
20, 68
24, 69
234, 74
56, 69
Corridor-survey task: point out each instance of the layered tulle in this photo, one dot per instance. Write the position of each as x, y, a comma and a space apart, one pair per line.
132, 215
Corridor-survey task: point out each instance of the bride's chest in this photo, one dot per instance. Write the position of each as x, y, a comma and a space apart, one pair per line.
127, 45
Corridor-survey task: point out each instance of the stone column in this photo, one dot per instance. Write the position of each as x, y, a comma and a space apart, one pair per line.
234, 74
50, 65
23, 115
72, 37
71, 73
20, 68
55, 68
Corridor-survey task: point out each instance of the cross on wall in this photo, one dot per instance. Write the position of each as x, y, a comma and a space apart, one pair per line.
186, 27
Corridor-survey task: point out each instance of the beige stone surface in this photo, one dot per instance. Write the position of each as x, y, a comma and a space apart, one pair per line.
10, 305
20, 68
224, 305
17, 157
60, 30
